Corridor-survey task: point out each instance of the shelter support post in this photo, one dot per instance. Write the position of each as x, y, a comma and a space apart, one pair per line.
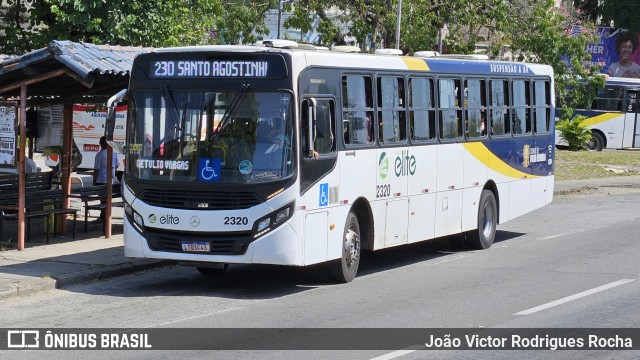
65, 159
21, 174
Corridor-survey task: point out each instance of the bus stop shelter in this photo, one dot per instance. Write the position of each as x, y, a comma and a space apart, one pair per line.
66, 73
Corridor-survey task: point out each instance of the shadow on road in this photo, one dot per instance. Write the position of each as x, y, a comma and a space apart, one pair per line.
258, 282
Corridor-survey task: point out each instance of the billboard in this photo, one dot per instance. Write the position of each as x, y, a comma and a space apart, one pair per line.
616, 52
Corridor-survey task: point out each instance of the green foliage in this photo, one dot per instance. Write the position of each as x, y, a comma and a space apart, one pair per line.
573, 132
6, 245
533, 30
374, 22
539, 33
623, 14
32, 25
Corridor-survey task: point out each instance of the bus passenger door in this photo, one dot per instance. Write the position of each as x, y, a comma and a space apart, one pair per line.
632, 121
394, 167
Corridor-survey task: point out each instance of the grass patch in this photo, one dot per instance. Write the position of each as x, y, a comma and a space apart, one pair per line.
622, 158
577, 165
6, 245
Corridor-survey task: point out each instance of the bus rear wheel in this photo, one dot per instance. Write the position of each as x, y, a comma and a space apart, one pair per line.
344, 270
483, 236
596, 143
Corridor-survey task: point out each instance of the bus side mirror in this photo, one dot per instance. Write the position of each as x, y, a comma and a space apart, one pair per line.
311, 127
110, 123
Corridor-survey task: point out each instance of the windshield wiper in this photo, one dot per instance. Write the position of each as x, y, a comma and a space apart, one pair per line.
168, 95
232, 107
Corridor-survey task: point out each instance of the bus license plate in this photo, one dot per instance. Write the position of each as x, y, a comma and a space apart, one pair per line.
200, 246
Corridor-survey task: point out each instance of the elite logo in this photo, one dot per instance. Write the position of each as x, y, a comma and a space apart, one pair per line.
404, 165
164, 219
383, 165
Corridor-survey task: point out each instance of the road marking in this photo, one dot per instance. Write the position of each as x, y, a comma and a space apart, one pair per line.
573, 297
449, 257
398, 353
197, 316
573, 232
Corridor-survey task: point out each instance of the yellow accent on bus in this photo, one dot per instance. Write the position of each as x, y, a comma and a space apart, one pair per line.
600, 118
416, 64
489, 159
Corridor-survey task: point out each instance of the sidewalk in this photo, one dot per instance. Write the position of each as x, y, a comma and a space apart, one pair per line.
67, 262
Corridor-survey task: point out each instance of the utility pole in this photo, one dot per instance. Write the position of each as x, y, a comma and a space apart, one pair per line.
279, 16
398, 24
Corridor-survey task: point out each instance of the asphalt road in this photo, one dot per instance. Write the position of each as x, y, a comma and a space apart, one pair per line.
573, 264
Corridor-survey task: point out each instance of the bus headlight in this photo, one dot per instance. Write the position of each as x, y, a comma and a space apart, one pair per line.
272, 220
134, 218
264, 223
137, 219
282, 214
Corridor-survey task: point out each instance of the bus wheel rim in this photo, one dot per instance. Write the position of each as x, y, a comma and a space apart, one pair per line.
352, 242
487, 227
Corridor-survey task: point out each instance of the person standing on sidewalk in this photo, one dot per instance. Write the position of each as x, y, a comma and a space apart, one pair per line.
100, 167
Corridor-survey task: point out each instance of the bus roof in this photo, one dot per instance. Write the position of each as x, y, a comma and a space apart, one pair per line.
631, 82
440, 64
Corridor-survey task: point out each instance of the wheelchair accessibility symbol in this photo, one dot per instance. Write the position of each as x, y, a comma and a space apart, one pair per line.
209, 170
324, 195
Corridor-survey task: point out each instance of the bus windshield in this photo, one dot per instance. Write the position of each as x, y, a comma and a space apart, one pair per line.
225, 137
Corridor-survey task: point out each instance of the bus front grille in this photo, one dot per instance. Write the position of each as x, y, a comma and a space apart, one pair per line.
219, 243
200, 200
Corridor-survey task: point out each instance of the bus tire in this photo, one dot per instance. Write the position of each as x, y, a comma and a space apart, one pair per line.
344, 269
596, 143
483, 236
213, 271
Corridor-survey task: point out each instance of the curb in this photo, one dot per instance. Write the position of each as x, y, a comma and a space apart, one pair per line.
22, 288
31, 285
101, 273
579, 186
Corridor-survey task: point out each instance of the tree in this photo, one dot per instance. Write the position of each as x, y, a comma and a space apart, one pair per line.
623, 14
242, 21
373, 22
532, 29
588, 9
30, 24
540, 33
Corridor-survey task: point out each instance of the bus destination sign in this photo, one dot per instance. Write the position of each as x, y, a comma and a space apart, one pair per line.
210, 69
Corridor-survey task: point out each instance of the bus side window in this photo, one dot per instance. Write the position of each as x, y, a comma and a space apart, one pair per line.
325, 140
325, 128
357, 109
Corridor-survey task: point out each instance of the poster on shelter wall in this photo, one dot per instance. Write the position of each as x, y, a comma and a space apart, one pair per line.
50, 120
88, 123
8, 135
617, 52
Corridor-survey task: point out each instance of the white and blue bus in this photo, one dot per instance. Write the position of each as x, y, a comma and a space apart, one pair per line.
266, 155
613, 116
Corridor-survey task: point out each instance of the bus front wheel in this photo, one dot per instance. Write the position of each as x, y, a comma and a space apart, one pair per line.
482, 237
596, 143
344, 269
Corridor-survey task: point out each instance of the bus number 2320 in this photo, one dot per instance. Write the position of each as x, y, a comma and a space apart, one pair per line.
235, 220
383, 191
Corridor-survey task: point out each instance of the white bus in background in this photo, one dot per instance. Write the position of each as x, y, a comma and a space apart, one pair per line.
318, 155
88, 127
613, 117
